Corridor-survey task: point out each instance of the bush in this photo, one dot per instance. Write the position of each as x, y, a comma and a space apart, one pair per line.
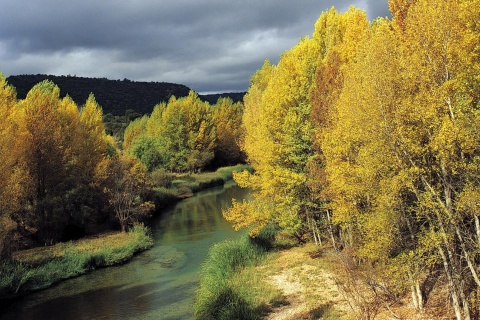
163, 197
162, 178
267, 236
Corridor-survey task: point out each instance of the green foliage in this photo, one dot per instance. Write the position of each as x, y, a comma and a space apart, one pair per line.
147, 151
178, 136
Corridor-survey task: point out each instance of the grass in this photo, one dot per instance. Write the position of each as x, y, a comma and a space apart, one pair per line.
38, 268
311, 270
181, 186
250, 278
229, 289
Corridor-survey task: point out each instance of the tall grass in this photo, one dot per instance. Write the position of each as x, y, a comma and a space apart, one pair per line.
227, 290
227, 172
39, 268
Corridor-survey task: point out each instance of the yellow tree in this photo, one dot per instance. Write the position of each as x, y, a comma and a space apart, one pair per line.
278, 140
340, 36
227, 117
134, 130
92, 143
368, 187
126, 183
44, 154
11, 183
401, 154
441, 71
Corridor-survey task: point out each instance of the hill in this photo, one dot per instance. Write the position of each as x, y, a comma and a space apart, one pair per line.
115, 96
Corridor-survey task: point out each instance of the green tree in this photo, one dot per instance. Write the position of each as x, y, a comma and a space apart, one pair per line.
178, 136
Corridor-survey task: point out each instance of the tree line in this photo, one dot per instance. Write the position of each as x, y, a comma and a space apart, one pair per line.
187, 135
62, 176
366, 135
115, 96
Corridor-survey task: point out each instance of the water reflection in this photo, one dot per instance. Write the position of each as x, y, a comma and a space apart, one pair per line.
157, 284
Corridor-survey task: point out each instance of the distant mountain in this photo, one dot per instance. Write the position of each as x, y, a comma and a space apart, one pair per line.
115, 96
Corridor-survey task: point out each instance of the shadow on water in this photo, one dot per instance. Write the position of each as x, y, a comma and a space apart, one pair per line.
159, 283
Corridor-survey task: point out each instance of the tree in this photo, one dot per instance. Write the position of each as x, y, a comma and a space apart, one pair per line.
227, 117
126, 183
400, 155
93, 144
44, 156
278, 140
178, 136
11, 192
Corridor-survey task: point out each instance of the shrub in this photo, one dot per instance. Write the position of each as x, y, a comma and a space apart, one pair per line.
162, 178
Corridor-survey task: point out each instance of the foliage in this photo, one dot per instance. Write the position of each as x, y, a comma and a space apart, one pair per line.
368, 131
52, 161
179, 136
227, 118
279, 131
126, 183
57, 148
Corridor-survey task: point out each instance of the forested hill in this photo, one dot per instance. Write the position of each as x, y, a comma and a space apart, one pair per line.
115, 96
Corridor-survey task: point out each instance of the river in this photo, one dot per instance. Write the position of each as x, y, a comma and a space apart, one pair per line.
159, 283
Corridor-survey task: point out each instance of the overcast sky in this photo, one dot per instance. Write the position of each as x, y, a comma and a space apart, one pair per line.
208, 45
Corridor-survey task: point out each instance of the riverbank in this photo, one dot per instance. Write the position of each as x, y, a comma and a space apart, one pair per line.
38, 268
171, 188
300, 282
244, 280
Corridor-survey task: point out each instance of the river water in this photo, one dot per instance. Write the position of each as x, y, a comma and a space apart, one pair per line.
159, 283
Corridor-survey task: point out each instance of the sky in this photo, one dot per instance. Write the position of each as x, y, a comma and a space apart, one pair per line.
210, 46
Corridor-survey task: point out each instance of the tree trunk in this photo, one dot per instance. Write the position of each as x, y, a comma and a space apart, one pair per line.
477, 228
330, 229
451, 284
473, 271
417, 296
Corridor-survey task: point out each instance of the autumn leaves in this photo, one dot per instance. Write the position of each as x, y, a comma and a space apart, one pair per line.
377, 123
58, 166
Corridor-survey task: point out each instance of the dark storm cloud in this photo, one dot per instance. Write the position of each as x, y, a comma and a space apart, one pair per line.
377, 8
209, 45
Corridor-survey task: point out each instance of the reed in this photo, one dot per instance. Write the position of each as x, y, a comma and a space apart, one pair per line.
228, 288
